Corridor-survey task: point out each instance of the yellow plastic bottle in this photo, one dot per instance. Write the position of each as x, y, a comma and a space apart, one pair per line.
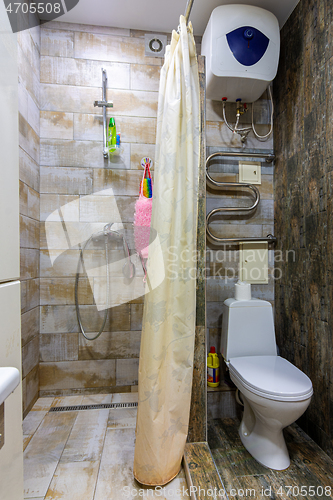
213, 368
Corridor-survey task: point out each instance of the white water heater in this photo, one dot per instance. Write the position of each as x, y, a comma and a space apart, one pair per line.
242, 45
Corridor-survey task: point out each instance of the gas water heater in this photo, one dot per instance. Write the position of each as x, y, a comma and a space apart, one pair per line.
242, 45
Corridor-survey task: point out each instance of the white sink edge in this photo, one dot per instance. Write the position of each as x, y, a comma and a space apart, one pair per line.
9, 380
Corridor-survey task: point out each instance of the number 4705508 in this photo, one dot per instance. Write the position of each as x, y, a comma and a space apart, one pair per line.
33, 8
304, 491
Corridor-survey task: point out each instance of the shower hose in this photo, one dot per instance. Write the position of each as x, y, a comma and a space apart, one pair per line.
107, 231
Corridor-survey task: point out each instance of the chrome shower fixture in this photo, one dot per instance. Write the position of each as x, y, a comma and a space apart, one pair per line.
104, 104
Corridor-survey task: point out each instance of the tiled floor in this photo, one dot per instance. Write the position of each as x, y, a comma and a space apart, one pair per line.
309, 476
86, 454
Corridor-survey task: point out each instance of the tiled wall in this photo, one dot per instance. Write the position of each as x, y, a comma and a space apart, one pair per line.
74, 179
303, 193
28, 87
223, 262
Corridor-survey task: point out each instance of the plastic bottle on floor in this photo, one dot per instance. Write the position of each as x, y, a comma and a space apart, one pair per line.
213, 368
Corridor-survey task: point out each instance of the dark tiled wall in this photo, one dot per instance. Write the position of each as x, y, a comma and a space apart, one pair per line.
303, 186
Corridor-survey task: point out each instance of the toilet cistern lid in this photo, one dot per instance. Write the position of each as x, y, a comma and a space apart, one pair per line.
272, 377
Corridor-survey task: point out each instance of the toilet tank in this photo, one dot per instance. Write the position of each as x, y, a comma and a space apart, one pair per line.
247, 329
241, 44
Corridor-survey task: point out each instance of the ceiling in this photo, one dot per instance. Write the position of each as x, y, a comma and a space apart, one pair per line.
161, 15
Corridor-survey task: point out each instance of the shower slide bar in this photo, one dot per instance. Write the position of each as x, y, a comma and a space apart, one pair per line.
227, 210
104, 104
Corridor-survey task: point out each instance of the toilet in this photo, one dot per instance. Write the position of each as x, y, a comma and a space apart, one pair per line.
275, 393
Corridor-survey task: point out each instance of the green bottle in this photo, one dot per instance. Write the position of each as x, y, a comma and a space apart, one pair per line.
112, 136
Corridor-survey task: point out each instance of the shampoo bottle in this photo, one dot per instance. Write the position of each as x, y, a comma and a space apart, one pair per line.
112, 136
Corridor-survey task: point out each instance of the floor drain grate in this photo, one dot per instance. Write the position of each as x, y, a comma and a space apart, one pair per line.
101, 406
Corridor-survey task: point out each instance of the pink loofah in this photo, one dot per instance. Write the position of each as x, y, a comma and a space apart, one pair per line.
142, 218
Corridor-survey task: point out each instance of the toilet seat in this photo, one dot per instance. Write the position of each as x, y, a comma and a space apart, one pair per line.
271, 377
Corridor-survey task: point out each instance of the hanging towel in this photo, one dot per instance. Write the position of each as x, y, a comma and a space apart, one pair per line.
142, 216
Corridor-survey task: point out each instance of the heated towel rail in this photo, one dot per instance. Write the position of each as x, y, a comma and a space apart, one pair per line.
227, 210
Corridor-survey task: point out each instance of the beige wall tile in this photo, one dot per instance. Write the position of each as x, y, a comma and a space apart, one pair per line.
58, 347
127, 371
111, 345
110, 48
145, 77
75, 99
71, 98
24, 199
66, 180
57, 43
61, 153
140, 129
32, 293
266, 187
139, 151
68, 204
23, 100
218, 134
55, 236
29, 325
60, 291
56, 125
29, 232
28, 139
136, 316
29, 170
30, 356
81, 374
122, 182
31, 388
23, 296
85, 73
89, 28
62, 319
27, 77
121, 290
29, 49
33, 115
33, 204
58, 319
29, 263
90, 128
107, 208
64, 266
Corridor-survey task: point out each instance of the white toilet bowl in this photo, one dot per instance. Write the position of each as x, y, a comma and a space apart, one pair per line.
275, 394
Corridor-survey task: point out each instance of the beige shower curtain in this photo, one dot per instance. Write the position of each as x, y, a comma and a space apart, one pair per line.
167, 343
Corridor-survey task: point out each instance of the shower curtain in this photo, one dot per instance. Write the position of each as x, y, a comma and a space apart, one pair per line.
167, 343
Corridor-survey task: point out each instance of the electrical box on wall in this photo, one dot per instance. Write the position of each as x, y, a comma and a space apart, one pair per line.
253, 262
250, 172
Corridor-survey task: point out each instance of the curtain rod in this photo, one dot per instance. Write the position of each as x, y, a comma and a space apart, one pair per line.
188, 9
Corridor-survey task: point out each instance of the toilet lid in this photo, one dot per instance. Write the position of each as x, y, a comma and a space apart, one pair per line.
272, 377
